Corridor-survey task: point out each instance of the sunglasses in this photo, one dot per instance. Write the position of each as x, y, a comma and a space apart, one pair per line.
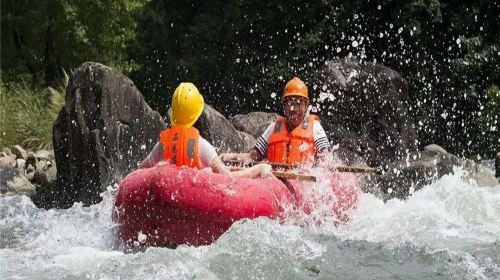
294, 102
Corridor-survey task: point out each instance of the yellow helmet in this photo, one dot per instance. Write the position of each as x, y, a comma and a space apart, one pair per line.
187, 105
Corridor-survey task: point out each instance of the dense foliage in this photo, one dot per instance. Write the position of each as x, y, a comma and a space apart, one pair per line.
240, 52
41, 38
27, 114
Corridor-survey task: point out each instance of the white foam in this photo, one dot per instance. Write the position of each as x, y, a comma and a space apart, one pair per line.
450, 213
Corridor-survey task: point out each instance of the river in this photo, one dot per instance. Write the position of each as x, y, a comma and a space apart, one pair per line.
448, 230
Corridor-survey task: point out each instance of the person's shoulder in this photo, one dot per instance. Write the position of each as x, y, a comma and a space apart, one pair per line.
203, 141
317, 123
268, 130
318, 130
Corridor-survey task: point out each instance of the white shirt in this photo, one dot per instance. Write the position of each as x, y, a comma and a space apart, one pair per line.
206, 153
319, 135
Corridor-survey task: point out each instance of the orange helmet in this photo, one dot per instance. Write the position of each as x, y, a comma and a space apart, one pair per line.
296, 87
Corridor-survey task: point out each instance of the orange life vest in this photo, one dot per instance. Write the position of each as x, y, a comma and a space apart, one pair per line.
292, 147
180, 146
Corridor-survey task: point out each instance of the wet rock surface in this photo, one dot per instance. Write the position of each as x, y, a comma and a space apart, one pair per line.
106, 129
363, 108
254, 123
26, 174
103, 131
401, 179
219, 131
19, 152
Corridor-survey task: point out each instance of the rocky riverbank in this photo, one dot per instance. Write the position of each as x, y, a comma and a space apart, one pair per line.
106, 129
26, 172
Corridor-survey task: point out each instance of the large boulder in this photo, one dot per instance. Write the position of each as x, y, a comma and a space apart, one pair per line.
103, 132
254, 123
364, 108
219, 131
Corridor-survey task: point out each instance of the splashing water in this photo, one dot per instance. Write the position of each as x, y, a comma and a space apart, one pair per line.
448, 230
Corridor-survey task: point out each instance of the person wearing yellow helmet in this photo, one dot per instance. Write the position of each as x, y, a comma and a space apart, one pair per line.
297, 138
182, 144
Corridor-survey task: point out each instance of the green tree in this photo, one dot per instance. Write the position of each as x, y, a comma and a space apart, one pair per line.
239, 52
41, 38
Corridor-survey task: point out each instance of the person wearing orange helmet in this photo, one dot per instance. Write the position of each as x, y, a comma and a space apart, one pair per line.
296, 138
182, 145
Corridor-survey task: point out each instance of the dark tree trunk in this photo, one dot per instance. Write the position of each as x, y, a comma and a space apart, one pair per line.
19, 42
50, 65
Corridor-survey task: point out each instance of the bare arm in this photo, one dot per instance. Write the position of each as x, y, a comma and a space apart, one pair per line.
145, 164
252, 155
263, 170
153, 158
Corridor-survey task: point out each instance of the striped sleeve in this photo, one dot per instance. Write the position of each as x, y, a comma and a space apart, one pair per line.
320, 139
261, 145
322, 143
262, 141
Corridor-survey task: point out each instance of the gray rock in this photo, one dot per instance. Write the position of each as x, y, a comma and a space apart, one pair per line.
249, 139
29, 168
44, 155
435, 149
480, 174
7, 151
21, 186
254, 123
6, 175
497, 165
13, 182
42, 164
30, 175
20, 163
46, 176
421, 169
31, 163
7, 161
103, 131
19, 152
217, 130
364, 108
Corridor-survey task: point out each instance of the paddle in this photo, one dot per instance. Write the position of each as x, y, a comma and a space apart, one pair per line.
353, 169
288, 175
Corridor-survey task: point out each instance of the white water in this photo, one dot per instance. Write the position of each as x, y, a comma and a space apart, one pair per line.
448, 230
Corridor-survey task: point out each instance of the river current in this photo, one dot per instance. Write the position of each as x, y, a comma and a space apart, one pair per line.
448, 230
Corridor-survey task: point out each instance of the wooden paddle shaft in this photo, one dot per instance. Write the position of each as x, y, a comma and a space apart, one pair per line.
252, 163
290, 175
287, 175
354, 169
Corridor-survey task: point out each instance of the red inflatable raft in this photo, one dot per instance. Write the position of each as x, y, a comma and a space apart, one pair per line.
167, 205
